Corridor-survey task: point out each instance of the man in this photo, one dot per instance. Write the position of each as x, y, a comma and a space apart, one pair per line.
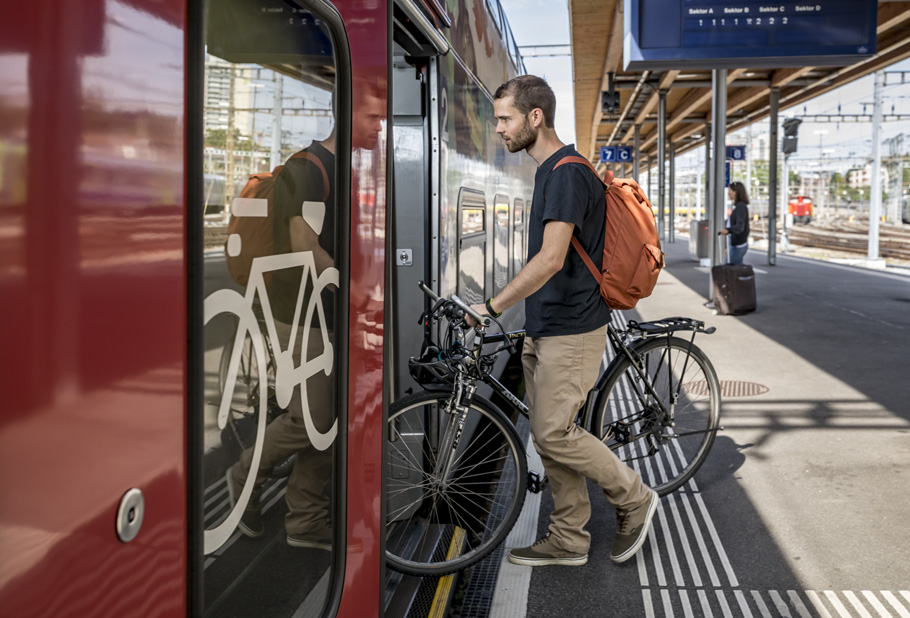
566, 335
305, 220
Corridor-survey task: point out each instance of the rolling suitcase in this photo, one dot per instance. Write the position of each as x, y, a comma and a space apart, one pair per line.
734, 289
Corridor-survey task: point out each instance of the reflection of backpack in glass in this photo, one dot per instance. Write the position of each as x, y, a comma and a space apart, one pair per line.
250, 232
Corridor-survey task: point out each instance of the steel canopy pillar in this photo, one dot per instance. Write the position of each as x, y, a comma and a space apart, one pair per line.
636, 156
661, 162
707, 169
875, 191
719, 137
774, 103
671, 227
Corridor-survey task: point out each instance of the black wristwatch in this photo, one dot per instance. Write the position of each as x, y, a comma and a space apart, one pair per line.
490, 310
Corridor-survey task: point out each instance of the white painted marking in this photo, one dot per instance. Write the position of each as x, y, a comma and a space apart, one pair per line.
687, 549
876, 604
250, 207
709, 523
640, 562
700, 539
779, 604
906, 595
743, 604
819, 606
796, 602
896, 604
668, 606
686, 605
511, 595
857, 604
724, 606
671, 547
649, 604
760, 603
705, 606
838, 606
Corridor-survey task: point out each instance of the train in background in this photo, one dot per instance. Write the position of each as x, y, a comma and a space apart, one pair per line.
140, 371
800, 206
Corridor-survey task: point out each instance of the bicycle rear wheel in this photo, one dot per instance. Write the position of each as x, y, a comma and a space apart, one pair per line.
437, 522
665, 437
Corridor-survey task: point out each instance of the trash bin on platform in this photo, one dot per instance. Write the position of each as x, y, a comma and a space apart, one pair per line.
699, 242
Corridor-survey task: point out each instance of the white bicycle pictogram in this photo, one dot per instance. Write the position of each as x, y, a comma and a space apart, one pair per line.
288, 375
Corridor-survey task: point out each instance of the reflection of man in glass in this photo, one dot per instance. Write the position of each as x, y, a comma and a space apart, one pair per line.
305, 210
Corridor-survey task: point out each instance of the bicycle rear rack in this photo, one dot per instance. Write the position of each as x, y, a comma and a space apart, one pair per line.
668, 325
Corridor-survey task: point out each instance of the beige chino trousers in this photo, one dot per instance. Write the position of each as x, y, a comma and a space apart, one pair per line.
559, 372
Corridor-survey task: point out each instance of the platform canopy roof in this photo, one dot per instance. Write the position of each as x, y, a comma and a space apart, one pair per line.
597, 48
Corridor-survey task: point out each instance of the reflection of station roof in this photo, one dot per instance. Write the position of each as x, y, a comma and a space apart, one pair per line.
597, 47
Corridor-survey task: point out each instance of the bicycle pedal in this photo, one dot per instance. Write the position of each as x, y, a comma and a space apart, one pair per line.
535, 485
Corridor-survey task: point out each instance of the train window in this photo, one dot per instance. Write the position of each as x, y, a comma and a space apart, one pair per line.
500, 243
518, 235
272, 85
472, 246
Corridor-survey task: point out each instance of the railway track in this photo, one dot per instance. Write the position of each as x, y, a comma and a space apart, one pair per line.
849, 237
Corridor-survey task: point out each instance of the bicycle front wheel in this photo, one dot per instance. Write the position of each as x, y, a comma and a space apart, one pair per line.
454, 490
660, 417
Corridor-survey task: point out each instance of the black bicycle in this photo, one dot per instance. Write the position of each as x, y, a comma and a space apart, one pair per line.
458, 471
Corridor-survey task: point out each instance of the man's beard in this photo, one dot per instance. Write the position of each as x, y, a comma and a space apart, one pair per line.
525, 138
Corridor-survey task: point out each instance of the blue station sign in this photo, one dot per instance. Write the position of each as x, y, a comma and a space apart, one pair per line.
616, 154
718, 34
736, 153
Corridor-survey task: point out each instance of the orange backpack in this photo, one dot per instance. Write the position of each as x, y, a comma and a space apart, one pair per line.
252, 222
632, 256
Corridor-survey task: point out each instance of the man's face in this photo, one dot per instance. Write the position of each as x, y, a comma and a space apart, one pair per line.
368, 123
513, 126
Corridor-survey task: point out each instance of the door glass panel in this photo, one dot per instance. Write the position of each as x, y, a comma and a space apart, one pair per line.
271, 289
500, 243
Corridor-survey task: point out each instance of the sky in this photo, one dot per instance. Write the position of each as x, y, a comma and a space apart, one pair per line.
546, 22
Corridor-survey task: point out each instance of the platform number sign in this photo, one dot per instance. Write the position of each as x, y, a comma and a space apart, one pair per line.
615, 154
736, 153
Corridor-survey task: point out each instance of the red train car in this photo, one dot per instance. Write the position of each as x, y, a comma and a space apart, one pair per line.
177, 442
801, 208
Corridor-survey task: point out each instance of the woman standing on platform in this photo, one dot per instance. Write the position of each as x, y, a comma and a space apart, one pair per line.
737, 226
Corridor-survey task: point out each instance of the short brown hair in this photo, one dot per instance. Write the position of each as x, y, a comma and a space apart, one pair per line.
530, 92
739, 192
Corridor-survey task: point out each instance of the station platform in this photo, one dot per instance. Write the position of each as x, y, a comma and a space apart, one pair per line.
801, 507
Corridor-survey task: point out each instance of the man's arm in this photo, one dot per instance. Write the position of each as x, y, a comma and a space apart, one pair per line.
552, 256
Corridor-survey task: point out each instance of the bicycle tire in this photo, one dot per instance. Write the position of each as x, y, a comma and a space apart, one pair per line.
680, 448
483, 498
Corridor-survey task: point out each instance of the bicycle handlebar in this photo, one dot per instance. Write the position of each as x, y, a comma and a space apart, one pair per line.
480, 319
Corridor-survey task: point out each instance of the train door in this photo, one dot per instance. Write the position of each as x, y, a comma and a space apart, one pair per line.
291, 156
92, 282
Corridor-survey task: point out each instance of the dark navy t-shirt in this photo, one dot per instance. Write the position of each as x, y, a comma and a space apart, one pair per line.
570, 302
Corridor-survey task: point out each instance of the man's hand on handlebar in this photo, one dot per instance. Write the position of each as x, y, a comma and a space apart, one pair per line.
481, 309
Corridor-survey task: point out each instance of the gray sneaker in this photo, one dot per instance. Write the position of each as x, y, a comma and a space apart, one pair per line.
320, 538
632, 528
543, 553
251, 522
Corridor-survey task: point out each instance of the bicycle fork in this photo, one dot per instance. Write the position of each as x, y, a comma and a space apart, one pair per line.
457, 409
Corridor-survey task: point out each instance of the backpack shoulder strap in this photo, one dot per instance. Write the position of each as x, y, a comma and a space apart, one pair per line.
608, 175
309, 156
